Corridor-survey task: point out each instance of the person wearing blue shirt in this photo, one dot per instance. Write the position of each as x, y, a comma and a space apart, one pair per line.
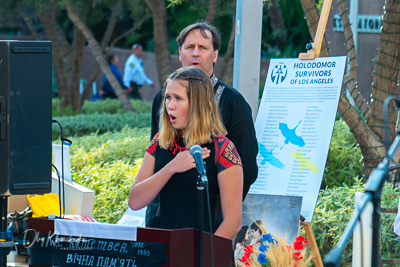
107, 90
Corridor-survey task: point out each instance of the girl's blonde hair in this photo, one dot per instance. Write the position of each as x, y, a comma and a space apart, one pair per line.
204, 120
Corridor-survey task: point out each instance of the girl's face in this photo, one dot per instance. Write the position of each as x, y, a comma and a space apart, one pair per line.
177, 104
247, 236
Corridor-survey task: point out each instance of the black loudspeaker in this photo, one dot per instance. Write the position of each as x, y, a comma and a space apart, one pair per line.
25, 117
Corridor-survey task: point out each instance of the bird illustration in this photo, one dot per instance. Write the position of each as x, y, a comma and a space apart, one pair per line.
290, 135
269, 157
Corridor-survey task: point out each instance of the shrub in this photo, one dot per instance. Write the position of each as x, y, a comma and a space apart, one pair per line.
108, 164
109, 106
344, 161
80, 125
111, 183
113, 106
333, 211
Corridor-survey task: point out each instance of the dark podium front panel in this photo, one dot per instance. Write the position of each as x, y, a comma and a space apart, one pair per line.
153, 247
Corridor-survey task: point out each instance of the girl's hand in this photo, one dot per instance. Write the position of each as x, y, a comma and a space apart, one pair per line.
184, 161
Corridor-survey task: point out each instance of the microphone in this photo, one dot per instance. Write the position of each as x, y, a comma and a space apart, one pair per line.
196, 152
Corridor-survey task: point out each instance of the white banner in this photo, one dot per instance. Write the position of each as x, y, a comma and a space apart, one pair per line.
294, 127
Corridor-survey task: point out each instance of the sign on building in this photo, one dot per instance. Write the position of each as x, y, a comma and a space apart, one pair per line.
366, 23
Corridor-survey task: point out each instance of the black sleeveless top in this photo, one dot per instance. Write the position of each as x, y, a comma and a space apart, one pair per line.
179, 197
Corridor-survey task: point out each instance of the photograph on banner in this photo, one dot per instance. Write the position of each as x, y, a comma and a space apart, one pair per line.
294, 127
266, 219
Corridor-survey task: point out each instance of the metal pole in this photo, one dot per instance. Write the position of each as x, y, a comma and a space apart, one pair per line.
354, 20
200, 196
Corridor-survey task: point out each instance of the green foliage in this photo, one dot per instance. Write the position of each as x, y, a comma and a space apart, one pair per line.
111, 182
110, 106
126, 145
174, 2
344, 158
108, 164
297, 35
334, 210
98, 123
99, 117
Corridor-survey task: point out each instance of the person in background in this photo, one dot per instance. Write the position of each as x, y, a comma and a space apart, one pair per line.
134, 74
190, 116
107, 91
199, 45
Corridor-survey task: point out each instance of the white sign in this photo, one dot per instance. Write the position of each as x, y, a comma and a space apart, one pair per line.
294, 127
366, 23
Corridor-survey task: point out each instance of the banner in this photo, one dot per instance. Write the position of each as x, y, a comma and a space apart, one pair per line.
294, 127
59, 250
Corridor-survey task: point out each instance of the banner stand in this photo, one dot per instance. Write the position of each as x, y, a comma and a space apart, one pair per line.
312, 243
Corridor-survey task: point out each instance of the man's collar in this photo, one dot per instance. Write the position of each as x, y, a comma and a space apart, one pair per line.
214, 79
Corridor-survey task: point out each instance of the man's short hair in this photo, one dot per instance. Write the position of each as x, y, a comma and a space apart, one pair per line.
256, 226
202, 26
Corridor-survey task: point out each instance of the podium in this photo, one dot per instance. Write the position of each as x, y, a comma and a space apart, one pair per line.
178, 248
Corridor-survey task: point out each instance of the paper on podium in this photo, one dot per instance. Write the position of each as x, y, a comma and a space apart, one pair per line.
133, 218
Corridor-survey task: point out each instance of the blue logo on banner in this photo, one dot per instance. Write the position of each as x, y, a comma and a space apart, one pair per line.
279, 73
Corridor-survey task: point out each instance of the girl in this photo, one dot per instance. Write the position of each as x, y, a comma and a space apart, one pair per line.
190, 116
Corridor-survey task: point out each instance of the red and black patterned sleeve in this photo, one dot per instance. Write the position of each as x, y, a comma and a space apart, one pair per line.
151, 149
226, 154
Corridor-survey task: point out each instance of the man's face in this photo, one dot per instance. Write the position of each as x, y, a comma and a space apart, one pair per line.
138, 51
198, 51
255, 234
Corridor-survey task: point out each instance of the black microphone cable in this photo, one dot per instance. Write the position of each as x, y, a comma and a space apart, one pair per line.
66, 142
210, 223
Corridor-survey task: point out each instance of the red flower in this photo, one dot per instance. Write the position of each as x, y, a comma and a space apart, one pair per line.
249, 248
300, 243
245, 258
297, 256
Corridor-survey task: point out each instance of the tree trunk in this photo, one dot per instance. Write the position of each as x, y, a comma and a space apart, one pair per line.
78, 46
110, 47
386, 70
97, 53
350, 80
277, 23
370, 144
63, 94
106, 39
31, 27
231, 46
160, 33
212, 11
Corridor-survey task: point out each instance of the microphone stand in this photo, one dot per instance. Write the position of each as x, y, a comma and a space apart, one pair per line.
373, 191
7, 238
202, 182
